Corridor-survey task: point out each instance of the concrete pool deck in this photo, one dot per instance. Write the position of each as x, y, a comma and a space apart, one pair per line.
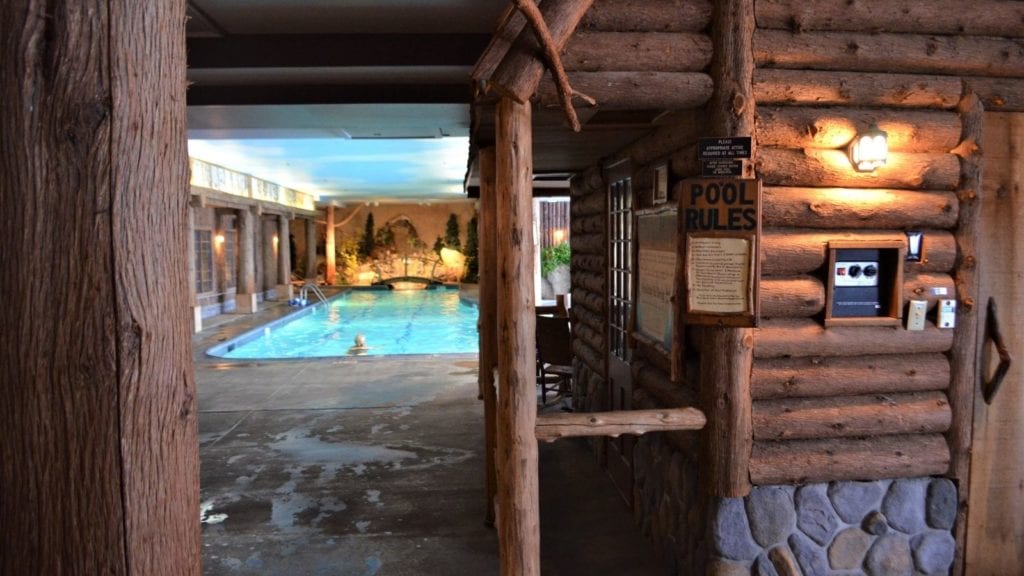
374, 465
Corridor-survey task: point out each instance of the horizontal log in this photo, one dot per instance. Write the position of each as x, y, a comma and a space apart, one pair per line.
589, 205
589, 281
930, 287
851, 416
648, 15
678, 130
595, 339
635, 90
588, 302
589, 263
637, 51
589, 182
656, 382
905, 53
554, 425
836, 127
777, 338
832, 208
861, 89
847, 376
588, 243
980, 18
999, 94
684, 163
593, 321
807, 461
590, 357
651, 352
832, 168
687, 442
589, 223
793, 297
791, 251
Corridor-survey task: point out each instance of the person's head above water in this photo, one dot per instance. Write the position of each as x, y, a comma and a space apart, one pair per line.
360, 341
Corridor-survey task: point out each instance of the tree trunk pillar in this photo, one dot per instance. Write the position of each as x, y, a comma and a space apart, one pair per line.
488, 300
518, 501
245, 299
284, 259
311, 249
99, 462
331, 273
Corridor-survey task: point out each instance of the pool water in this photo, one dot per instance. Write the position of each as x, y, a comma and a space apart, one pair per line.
392, 322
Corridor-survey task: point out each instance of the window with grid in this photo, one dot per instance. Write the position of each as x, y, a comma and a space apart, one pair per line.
620, 259
204, 261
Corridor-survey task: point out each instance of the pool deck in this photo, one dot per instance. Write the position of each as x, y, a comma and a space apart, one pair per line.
374, 465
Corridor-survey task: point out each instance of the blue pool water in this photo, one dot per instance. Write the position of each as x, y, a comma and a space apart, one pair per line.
392, 321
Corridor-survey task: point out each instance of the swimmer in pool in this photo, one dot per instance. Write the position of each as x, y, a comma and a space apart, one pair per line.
359, 347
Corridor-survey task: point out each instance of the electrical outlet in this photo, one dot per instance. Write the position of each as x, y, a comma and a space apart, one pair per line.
916, 314
947, 314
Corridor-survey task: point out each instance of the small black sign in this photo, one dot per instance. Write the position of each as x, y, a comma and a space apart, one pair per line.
727, 167
721, 148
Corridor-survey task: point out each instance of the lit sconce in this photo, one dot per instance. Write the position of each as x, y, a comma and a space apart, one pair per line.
558, 235
869, 150
276, 241
219, 239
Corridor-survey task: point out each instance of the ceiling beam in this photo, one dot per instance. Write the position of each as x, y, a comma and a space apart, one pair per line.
336, 50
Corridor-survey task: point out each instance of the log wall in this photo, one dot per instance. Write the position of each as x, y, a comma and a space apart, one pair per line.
588, 240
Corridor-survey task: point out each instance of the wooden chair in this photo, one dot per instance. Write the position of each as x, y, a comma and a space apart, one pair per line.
554, 356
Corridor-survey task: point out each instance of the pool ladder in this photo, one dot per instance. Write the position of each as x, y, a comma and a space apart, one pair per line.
310, 287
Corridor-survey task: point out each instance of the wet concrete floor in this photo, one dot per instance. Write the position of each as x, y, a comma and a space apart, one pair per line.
374, 466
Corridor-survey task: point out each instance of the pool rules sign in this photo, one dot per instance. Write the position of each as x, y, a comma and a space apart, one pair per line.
720, 227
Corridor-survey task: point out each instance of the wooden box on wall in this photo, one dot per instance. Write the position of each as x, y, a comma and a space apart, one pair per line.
865, 283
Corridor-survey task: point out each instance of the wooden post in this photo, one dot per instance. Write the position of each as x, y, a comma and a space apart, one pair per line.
98, 433
245, 299
311, 249
963, 361
330, 274
284, 259
488, 300
518, 504
268, 229
726, 354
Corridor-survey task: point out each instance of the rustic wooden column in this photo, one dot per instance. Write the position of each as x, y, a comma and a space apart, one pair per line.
518, 504
245, 299
284, 259
331, 273
268, 251
488, 309
98, 440
311, 249
727, 353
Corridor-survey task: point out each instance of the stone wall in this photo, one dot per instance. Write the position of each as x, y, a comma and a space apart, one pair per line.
880, 528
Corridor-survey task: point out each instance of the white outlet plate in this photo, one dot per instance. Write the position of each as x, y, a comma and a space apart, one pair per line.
947, 314
915, 316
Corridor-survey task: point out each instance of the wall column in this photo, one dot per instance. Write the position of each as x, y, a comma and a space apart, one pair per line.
331, 273
284, 260
268, 229
516, 456
245, 298
98, 427
311, 249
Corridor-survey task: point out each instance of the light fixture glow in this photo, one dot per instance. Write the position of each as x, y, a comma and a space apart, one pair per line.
869, 150
219, 238
558, 235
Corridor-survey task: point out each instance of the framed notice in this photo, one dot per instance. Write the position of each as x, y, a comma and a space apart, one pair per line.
720, 225
656, 269
660, 184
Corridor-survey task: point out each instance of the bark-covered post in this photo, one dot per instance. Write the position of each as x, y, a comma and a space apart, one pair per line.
330, 274
311, 249
245, 299
488, 297
98, 438
727, 353
284, 259
518, 500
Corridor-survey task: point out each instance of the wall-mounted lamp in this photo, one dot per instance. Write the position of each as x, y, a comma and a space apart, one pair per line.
869, 150
276, 241
219, 238
558, 235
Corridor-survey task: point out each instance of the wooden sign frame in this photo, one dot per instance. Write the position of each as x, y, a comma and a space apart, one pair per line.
893, 315
715, 226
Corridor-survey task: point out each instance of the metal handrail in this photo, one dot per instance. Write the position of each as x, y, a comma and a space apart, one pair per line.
309, 286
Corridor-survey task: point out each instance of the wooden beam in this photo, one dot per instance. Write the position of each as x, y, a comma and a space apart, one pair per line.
519, 73
648, 16
518, 500
806, 337
510, 24
636, 90
554, 426
637, 52
850, 375
488, 324
964, 355
862, 89
98, 418
831, 168
878, 208
789, 251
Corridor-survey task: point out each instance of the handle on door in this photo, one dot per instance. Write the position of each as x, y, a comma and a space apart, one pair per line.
991, 386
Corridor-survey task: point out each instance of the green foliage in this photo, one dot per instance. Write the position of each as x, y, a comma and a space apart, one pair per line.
553, 257
472, 252
348, 258
368, 242
451, 233
385, 238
